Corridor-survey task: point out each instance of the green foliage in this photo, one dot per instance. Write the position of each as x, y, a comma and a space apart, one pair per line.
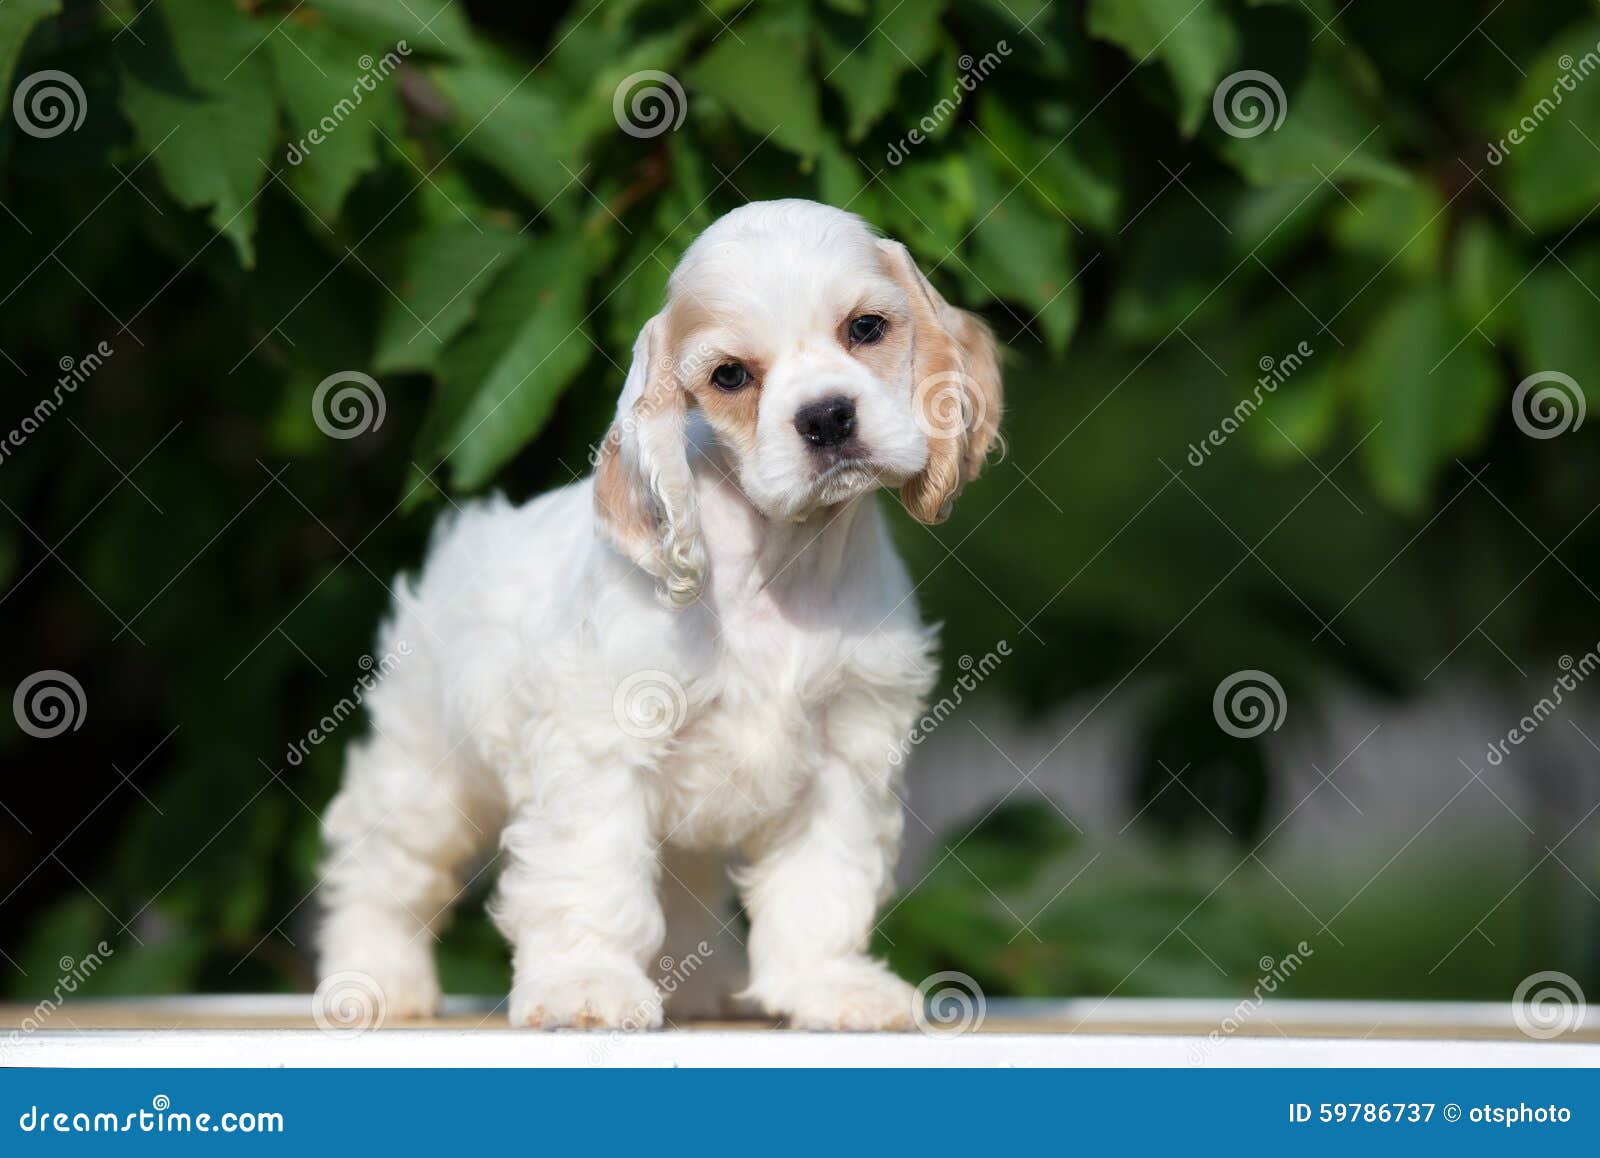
479, 231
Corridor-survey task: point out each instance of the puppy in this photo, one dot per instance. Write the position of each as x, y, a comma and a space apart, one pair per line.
708, 648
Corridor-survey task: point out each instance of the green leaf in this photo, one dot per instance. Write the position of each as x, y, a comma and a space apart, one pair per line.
1550, 135
503, 375
1486, 271
441, 276
1300, 417
1402, 226
1560, 318
199, 94
1429, 386
1193, 38
1020, 253
508, 122
18, 18
1048, 167
437, 27
1327, 130
864, 59
763, 80
331, 87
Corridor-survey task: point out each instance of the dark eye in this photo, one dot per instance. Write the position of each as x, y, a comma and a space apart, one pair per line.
730, 376
867, 328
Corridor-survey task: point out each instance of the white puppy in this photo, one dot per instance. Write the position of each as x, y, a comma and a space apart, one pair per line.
708, 647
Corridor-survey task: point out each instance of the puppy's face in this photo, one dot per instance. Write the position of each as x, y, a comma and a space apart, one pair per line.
796, 344
824, 364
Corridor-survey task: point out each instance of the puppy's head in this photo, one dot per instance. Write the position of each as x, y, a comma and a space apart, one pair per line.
825, 365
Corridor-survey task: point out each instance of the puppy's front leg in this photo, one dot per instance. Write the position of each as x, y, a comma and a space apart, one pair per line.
812, 888
577, 901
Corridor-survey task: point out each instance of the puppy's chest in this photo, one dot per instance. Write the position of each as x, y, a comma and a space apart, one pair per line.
746, 752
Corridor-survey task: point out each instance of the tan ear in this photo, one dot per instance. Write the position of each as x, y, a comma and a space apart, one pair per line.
643, 490
956, 377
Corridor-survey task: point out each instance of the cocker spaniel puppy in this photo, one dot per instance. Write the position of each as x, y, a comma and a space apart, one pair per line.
708, 648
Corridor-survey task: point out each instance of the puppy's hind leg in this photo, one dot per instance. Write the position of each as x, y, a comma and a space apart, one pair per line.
399, 833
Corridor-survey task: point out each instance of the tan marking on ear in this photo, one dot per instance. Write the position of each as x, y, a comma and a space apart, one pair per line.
956, 375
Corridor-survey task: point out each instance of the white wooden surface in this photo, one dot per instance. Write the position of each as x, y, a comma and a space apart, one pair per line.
1070, 1033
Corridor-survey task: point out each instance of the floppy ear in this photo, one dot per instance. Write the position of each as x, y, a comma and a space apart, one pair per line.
643, 491
956, 375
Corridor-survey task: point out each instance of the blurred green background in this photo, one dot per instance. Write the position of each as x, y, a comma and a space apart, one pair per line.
482, 236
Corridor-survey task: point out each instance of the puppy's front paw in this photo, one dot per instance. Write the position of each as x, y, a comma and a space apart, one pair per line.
363, 993
854, 994
593, 998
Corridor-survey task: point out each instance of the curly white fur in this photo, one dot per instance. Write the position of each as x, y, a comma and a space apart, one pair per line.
707, 654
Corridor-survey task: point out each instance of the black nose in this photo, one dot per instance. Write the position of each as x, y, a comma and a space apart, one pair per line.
826, 423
